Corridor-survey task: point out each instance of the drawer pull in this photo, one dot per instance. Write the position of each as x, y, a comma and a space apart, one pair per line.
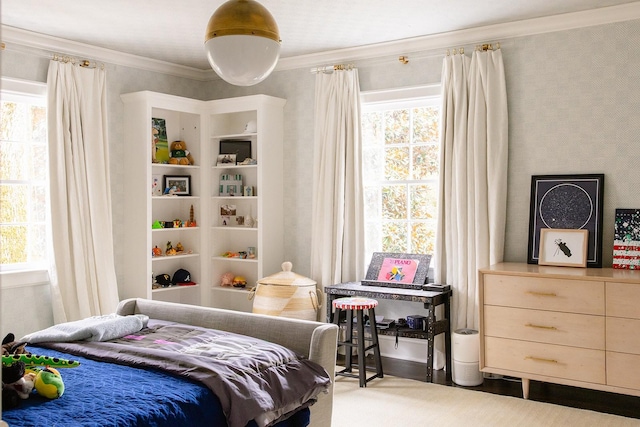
540, 359
530, 325
543, 294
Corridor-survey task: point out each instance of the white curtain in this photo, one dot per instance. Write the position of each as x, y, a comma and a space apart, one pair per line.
83, 275
473, 168
337, 235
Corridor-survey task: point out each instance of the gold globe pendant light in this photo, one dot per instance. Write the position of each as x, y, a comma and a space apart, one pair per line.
242, 42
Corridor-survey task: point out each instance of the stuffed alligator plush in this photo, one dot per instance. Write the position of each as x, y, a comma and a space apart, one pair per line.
23, 371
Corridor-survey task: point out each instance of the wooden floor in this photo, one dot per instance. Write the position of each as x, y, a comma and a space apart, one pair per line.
611, 403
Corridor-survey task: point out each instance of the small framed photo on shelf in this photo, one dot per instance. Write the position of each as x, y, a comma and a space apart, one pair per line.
178, 184
226, 160
563, 247
226, 210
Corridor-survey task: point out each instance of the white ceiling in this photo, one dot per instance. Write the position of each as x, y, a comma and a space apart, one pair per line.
173, 31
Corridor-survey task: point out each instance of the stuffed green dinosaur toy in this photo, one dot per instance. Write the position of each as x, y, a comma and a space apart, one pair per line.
23, 371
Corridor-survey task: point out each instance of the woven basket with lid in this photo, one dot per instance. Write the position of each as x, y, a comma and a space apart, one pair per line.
287, 294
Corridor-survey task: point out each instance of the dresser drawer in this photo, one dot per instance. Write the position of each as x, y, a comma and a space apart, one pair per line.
622, 335
623, 300
623, 370
577, 330
549, 360
572, 296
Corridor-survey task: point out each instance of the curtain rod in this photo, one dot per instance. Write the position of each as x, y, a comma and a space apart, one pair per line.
404, 59
85, 63
328, 69
479, 48
51, 55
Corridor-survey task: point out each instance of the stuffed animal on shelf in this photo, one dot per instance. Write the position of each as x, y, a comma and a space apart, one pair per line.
179, 155
227, 279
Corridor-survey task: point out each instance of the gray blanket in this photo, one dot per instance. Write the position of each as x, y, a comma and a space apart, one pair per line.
96, 328
254, 379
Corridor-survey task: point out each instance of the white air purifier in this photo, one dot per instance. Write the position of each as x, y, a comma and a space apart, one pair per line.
466, 357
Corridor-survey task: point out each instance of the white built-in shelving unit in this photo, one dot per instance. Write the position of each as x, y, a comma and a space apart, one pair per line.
202, 125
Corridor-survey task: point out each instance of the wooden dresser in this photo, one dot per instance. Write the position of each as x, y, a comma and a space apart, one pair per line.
565, 325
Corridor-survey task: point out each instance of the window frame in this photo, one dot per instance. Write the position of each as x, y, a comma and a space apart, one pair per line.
36, 93
401, 98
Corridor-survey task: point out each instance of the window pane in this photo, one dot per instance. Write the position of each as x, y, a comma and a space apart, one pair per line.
13, 244
396, 164
38, 128
372, 128
14, 121
373, 164
372, 202
373, 235
424, 200
38, 203
13, 203
426, 122
38, 162
13, 158
423, 237
394, 237
37, 243
426, 161
394, 202
396, 127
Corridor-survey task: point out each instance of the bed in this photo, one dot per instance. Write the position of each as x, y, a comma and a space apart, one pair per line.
110, 389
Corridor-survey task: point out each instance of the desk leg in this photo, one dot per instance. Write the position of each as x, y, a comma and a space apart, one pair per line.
431, 321
447, 339
330, 299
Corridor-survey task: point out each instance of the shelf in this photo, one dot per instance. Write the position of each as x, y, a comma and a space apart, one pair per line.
244, 290
235, 135
404, 332
235, 197
234, 228
170, 257
175, 197
222, 258
234, 167
170, 166
163, 230
175, 288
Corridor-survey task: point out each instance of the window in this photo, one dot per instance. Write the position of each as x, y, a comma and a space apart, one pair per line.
23, 176
401, 162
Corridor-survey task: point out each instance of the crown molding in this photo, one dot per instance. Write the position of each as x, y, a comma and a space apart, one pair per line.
44, 45
485, 34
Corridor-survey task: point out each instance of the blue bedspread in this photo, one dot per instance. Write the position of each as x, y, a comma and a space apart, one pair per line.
99, 394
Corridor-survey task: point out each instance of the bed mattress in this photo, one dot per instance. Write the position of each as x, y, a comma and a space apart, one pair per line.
100, 394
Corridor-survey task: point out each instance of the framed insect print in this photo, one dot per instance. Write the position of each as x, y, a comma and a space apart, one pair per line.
567, 202
565, 247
